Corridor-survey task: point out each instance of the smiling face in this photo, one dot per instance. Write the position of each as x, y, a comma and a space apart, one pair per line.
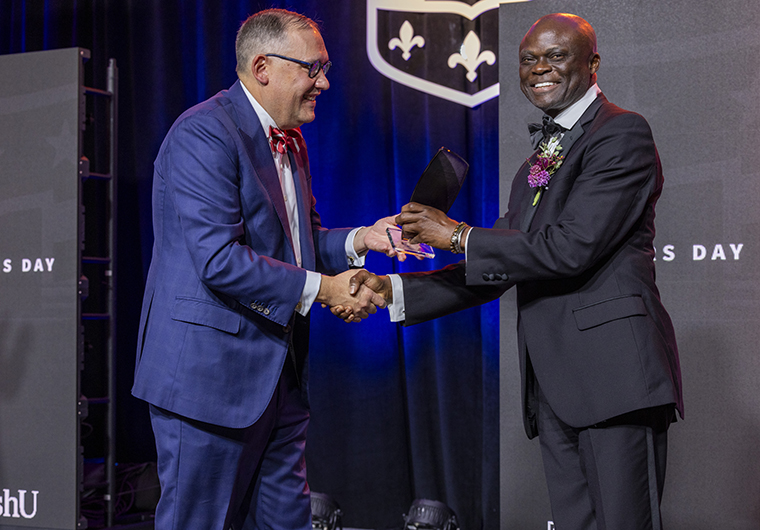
558, 62
290, 92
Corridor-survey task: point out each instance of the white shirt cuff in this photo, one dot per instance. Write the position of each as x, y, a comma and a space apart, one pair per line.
354, 259
314, 279
310, 292
396, 309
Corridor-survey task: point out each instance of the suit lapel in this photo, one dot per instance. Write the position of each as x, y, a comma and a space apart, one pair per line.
259, 153
299, 165
568, 139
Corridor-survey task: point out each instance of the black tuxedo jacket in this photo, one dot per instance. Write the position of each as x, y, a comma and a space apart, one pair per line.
591, 327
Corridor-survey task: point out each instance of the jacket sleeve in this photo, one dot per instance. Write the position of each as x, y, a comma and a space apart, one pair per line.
429, 295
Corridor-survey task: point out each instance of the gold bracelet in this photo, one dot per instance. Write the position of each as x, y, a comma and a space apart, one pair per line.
455, 246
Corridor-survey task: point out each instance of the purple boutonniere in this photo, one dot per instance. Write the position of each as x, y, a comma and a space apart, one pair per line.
547, 163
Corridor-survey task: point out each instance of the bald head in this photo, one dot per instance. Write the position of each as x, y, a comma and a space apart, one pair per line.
571, 23
558, 61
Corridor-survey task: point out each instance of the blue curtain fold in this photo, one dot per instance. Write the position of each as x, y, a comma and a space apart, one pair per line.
397, 413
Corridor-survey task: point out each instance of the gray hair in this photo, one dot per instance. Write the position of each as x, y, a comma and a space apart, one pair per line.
266, 32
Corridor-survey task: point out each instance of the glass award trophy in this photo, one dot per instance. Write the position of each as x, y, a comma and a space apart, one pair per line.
438, 187
403, 246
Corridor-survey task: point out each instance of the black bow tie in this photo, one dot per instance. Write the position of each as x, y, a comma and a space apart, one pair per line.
543, 131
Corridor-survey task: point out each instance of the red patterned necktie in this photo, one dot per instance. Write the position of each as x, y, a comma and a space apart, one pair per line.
281, 140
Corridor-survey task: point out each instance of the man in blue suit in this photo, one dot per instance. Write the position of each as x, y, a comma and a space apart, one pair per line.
599, 363
223, 338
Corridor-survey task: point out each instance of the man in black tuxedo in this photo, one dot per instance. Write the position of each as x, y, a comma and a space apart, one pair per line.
598, 355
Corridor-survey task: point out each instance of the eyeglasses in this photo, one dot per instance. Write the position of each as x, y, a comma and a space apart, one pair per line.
314, 67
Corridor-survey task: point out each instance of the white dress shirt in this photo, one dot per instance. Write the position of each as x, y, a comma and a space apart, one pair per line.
284, 171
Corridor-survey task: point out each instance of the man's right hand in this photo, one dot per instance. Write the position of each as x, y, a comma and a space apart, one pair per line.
380, 284
355, 302
361, 282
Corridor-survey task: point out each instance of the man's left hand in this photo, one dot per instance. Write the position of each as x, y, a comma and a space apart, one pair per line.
425, 224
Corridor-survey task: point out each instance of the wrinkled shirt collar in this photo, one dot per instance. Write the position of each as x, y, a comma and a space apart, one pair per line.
570, 116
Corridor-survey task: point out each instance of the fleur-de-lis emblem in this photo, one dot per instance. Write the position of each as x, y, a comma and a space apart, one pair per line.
470, 56
407, 40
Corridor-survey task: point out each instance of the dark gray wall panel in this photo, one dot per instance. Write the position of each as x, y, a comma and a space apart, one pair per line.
39, 304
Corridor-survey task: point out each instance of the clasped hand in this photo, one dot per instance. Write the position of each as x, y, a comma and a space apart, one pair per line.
353, 296
363, 281
352, 304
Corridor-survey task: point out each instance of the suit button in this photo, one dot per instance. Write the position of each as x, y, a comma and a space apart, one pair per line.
266, 311
485, 277
504, 277
286, 329
491, 277
253, 305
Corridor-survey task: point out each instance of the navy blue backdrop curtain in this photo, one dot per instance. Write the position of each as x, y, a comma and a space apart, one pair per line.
397, 414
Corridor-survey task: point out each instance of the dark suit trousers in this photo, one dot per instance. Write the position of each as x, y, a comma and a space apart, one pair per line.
609, 476
216, 478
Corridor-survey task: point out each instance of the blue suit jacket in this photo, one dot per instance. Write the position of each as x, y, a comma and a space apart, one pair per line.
591, 326
218, 310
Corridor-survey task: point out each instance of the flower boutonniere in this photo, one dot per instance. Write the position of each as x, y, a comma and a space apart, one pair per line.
547, 163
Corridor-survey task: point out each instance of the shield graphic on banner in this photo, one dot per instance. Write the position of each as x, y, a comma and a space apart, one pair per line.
445, 48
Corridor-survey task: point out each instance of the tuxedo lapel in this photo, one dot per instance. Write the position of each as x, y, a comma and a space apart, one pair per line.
567, 142
530, 207
571, 136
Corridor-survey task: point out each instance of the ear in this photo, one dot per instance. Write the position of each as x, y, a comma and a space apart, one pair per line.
594, 63
260, 69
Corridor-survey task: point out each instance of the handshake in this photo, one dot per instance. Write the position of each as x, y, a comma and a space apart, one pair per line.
354, 295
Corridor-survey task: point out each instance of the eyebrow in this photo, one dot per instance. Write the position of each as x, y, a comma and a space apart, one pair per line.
527, 51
